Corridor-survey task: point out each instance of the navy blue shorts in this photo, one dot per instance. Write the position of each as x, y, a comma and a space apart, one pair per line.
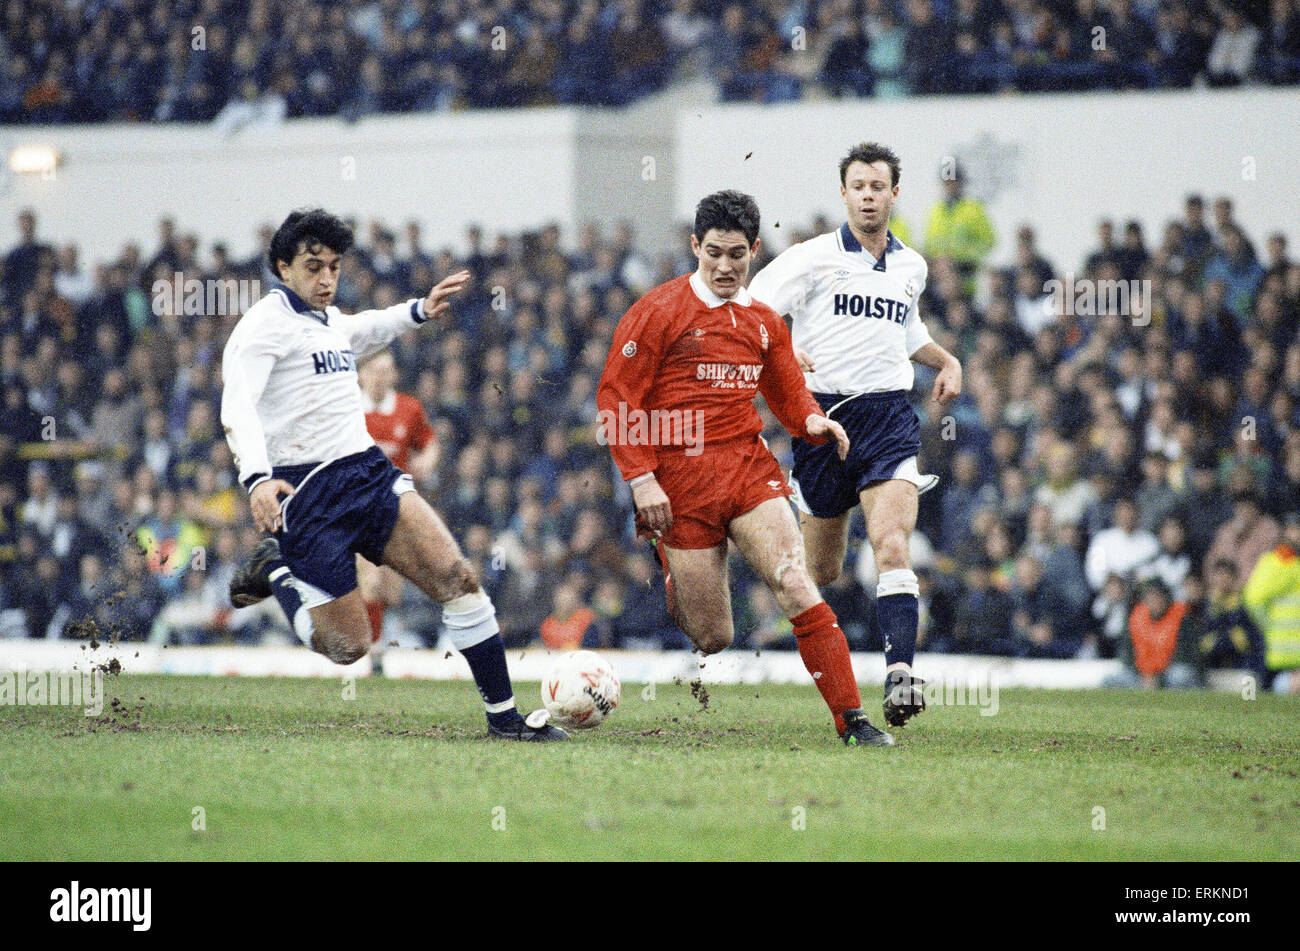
883, 432
340, 510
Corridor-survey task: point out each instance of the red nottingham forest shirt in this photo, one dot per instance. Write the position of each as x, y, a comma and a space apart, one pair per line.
398, 425
682, 348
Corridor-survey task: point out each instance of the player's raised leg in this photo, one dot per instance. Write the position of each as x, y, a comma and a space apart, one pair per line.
768, 536
890, 508
334, 626
701, 596
423, 550
340, 629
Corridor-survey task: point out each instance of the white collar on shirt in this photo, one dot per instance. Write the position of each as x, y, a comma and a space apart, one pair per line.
711, 299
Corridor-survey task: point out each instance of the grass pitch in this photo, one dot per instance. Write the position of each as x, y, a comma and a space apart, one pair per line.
194, 768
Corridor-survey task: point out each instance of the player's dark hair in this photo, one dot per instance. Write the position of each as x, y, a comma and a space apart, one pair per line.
311, 228
727, 210
870, 153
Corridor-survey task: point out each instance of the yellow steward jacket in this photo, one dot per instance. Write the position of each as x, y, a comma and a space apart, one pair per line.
1272, 596
960, 230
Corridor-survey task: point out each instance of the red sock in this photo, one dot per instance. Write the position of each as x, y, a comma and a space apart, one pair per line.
375, 611
825, 653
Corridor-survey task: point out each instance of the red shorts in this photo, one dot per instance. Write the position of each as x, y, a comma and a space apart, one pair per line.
709, 490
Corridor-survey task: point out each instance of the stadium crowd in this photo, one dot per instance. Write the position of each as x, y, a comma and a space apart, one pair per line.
1108, 472
241, 61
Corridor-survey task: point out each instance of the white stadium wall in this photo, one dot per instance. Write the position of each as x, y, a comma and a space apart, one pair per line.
509, 171
1060, 162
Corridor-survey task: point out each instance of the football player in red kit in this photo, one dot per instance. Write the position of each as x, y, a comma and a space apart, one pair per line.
398, 425
676, 407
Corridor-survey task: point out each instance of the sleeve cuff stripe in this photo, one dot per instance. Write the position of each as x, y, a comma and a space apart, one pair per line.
253, 481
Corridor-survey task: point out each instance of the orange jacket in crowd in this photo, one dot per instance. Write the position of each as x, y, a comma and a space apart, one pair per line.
1154, 640
567, 635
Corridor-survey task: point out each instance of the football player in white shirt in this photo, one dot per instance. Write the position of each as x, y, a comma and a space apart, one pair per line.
851, 296
293, 415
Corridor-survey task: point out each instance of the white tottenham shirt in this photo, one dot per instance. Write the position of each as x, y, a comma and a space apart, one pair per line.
290, 393
854, 315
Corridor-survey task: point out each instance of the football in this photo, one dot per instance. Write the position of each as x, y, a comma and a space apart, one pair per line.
580, 690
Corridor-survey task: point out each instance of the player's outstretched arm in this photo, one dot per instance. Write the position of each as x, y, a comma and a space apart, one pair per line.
947, 385
371, 330
439, 298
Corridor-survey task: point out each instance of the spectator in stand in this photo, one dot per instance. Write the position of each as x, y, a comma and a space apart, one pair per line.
1042, 619
1107, 250
1198, 240
961, 496
23, 261
1110, 611
887, 54
1064, 492
638, 54
1156, 498
523, 603
928, 51
1230, 638
1160, 650
571, 623
1272, 597
983, 620
845, 70
1121, 549
1027, 257
1238, 269
645, 622
1245, 537
1172, 563
1176, 56
1281, 48
1132, 255
959, 228
36, 585
1232, 57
